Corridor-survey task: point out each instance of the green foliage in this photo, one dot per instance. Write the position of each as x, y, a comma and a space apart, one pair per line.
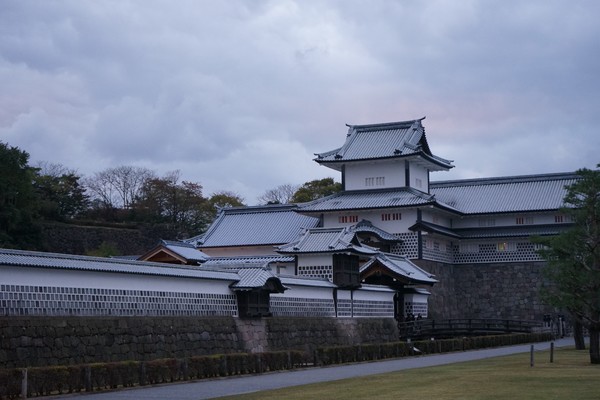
574, 258
18, 202
316, 189
101, 376
106, 249
62, 197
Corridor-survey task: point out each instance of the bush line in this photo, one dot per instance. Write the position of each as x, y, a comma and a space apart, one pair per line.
42, 381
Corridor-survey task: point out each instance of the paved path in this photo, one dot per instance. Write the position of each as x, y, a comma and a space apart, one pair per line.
207, 389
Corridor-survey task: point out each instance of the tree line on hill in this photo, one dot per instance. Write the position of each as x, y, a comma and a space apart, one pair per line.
123, 195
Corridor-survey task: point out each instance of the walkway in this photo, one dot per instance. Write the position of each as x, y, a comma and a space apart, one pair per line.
207, 389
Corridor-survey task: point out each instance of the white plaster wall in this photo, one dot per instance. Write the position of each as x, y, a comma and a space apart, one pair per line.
106, 280
240, 251
315, 259
393, 171
306, 292
374, 295
437, 218
409, 217
505, 220
418, 172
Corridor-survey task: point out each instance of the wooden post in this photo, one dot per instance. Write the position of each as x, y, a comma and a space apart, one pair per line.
552, 352
531, 360
24, 383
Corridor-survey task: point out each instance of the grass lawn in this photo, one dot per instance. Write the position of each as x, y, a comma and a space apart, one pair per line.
571, 376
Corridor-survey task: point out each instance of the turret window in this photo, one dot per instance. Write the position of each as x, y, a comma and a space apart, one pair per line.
391, 217
347, 219
524, 220
375, 181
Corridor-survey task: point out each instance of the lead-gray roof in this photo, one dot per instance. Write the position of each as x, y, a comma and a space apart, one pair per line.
247, 261
252, 278
23, 258
252, 226
505, 194
370, 199
383, 141
184, 250
326, 240
492, 232
402, 266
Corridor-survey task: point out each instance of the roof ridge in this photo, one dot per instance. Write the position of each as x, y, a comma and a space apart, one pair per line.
505, 179
385, 124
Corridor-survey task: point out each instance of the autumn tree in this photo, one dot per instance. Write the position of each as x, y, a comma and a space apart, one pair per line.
574, 258
316, 189
180, 204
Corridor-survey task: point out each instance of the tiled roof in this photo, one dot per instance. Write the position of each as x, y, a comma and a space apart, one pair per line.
401, 266
252, 278
369, 199
260, 225
98, 264
306, 281
433, 228
185, 250
246, 261
326, 240
506, 194
381, 141
492, 232
367, 226
512, 231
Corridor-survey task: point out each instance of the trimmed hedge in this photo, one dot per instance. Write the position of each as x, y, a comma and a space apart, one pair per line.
370, 352
42, 381
102, 376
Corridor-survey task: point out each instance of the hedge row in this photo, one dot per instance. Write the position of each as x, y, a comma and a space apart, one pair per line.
368, 352
43, 381
91, 377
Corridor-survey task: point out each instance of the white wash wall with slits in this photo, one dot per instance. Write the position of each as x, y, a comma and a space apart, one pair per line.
54, 292
316, 266
364, 175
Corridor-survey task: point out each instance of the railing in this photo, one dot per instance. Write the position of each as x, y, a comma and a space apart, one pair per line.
466, 327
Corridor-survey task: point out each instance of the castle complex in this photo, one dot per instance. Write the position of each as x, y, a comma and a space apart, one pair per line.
392, 243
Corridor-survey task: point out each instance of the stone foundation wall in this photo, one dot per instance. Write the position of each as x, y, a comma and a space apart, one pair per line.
79, 239
41, 341
495, 290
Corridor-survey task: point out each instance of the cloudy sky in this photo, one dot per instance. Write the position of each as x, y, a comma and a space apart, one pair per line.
238, 95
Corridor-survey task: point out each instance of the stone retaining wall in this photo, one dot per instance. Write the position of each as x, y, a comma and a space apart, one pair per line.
41, 341
494, 290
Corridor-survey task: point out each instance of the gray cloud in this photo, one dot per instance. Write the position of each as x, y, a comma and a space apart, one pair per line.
238, 95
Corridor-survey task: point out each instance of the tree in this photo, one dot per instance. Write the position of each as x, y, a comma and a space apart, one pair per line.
60, 192
118, 187
574, 258
282, 194
166, 200
316, 189
224, 199
18, 202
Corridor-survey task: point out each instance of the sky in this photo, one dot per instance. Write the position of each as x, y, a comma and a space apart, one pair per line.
239, 95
